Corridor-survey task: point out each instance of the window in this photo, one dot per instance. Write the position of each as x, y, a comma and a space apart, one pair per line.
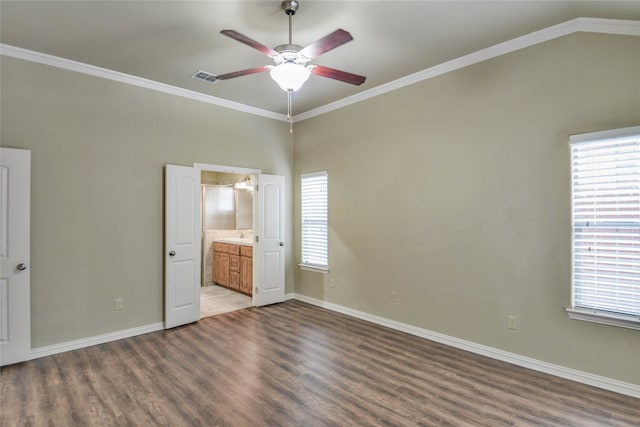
605, 182
315, 239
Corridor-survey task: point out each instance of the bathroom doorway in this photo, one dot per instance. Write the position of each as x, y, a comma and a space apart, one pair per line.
264, 275
227, 242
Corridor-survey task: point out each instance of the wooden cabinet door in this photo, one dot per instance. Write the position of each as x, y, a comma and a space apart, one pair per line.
221, 268
234, 263
234, 280
246, 275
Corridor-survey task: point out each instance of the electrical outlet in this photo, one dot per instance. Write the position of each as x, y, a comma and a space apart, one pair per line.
118, 304
394, 296
332, 283
512, 322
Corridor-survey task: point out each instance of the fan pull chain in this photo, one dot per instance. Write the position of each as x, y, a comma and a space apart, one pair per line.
289, 112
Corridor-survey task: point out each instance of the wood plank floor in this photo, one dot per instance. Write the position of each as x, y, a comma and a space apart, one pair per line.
293, 364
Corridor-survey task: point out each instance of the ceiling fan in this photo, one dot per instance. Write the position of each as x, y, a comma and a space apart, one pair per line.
291, 62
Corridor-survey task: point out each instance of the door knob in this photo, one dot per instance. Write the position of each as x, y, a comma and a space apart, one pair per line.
21, 267
281, 243
172, 253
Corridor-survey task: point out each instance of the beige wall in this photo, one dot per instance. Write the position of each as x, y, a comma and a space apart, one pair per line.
98, 151
455, 192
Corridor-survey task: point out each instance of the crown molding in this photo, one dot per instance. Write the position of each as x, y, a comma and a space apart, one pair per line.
589, 25
80, 67
623, 27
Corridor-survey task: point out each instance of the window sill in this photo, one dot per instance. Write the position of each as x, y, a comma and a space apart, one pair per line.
605, 318
314, 268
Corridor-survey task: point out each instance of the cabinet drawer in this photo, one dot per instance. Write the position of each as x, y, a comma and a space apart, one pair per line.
221, 247
234, 249
246, 251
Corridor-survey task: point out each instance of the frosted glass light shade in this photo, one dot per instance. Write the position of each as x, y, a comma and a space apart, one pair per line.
290, 76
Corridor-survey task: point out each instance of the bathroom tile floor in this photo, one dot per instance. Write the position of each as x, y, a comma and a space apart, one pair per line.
217, 300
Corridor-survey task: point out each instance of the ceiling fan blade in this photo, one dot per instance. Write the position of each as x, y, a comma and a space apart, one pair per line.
332, 73
244, 72
325, 44
250, 42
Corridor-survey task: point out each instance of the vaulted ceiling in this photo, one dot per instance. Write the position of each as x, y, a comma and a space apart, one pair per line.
168, 41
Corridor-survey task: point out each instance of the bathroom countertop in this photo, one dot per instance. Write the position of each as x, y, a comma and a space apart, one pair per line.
235, 241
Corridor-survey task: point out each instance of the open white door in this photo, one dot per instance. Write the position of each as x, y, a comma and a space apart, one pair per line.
269, 288
15, 293
182, 245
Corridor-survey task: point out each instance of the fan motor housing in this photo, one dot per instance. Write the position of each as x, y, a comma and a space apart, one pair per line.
289, 53
290, 7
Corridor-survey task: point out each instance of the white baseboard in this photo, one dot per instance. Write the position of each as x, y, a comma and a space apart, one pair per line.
505, 356
95, 340
516, 359
104, 338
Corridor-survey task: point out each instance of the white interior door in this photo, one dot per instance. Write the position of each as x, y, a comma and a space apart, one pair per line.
182, 245
15, 293
271, 240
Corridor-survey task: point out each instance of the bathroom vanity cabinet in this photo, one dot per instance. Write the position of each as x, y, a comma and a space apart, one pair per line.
233, 266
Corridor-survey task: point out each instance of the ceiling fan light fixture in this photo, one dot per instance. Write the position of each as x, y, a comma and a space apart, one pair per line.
291, 67
290, 76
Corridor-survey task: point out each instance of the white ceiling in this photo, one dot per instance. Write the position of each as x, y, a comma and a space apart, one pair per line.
167, 41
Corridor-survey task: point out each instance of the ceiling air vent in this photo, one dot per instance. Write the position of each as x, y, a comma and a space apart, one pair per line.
205, 76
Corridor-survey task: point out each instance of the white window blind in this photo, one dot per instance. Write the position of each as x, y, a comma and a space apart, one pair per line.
605, 171
315, 241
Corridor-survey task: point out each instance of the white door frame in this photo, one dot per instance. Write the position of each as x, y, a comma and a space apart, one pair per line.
226, 169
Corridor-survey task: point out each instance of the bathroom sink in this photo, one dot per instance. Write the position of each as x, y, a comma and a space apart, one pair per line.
235, 240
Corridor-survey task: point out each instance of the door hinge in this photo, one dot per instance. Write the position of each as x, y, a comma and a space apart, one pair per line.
257, 239
256, 290
257, 187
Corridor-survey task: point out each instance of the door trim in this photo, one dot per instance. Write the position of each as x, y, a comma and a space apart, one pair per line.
226, 169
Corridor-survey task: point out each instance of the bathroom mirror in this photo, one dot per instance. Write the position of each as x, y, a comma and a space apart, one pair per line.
227, 208
244, 208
